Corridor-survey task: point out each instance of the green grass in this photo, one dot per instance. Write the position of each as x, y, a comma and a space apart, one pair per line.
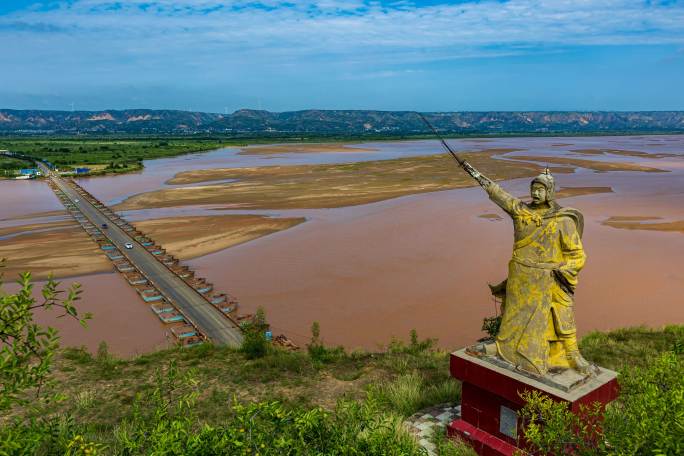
630, 347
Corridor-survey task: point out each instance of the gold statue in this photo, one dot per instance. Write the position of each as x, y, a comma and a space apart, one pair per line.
538, 331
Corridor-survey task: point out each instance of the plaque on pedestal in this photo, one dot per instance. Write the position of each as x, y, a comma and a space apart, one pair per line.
490, 399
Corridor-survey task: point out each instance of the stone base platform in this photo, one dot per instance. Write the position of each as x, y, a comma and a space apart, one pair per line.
490, 399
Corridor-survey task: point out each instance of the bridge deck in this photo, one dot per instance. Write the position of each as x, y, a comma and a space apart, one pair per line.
213, 324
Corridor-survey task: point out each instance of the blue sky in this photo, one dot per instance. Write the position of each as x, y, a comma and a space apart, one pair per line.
435, 55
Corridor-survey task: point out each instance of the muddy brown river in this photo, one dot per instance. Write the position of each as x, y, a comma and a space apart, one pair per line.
372, 272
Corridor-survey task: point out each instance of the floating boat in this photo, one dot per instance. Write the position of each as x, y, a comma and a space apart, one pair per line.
150, 295
171, 317
162, 307
182, 332
124, 267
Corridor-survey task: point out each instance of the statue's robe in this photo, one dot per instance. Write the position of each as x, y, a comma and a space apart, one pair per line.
538, 313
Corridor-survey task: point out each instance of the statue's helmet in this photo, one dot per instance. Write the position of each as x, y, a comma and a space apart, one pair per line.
546, 179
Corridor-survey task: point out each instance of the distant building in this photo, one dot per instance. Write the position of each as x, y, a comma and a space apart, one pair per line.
28, 171
82, 170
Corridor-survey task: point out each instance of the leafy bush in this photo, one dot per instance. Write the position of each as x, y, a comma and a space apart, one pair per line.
27, 349
646, 419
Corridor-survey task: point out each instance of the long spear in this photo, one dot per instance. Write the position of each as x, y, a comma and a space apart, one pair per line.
482, 180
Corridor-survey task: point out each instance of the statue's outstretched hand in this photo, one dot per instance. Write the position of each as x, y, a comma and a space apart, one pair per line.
485, 183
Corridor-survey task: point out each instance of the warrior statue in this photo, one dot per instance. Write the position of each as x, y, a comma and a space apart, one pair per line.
538, 331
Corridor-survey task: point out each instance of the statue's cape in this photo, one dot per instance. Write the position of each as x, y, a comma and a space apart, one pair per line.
574, 214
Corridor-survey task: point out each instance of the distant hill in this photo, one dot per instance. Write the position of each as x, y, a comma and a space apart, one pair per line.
335, 122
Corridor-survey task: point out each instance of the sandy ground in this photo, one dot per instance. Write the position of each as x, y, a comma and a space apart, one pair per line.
327, 186
303, 149
66, 250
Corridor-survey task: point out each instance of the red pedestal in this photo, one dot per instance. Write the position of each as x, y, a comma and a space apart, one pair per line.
490, 400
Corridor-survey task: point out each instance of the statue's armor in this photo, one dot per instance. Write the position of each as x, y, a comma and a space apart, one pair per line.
538, 325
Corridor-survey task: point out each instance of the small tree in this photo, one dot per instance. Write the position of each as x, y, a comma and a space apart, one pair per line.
27, 348
254, 344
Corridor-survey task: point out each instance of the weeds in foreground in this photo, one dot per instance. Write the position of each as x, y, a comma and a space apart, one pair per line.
410, 393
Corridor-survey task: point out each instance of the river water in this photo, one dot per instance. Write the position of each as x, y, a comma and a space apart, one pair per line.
372, 272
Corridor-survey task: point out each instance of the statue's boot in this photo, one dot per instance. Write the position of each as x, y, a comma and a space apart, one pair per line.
484, 349
577, 361
573, 355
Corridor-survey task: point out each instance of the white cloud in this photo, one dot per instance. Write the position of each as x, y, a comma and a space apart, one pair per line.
223, 41
349, 26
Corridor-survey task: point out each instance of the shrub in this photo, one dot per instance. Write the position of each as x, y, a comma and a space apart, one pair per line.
646, 419
26, 348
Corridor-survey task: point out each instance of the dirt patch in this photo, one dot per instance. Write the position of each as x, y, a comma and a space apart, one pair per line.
597, 166
644, 223
336, 185
303, 149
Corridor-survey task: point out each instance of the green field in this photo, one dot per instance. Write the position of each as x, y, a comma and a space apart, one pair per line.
109, 155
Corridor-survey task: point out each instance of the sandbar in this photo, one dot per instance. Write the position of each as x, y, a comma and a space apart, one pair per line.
330, 185
67, 250
597, 166
569, 192
637, 223
491, 216
625, 153
191, 237
303, 149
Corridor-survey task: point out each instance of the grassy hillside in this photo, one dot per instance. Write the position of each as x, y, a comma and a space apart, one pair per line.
342, 394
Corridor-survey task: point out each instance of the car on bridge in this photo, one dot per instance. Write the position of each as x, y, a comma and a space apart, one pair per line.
104, 226
128, 245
